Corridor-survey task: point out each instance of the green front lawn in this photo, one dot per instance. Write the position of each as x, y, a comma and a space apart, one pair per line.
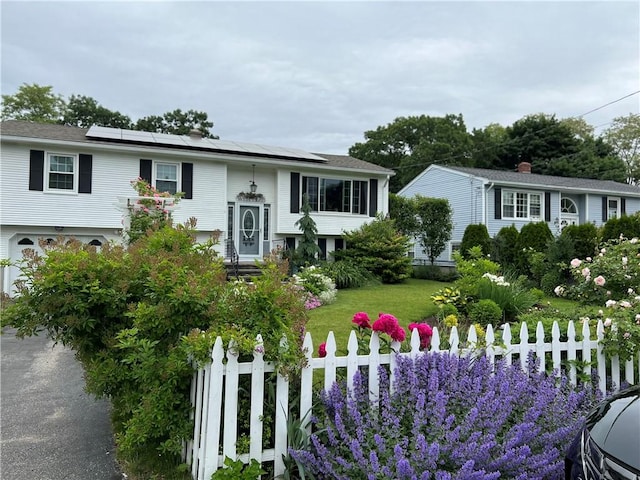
408, 302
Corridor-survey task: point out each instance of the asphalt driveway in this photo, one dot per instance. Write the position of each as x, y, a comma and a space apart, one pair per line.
51, 428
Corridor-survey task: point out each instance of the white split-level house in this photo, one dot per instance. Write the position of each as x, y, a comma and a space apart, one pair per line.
60, 180
498, 198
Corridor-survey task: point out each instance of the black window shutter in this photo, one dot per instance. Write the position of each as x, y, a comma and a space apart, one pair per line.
322, 243
85, 169
187, 180
145, 170
623, 206
605, 209
363, 198
339, 244
295, 193
36, 170
547, 206
373, 197
498, 204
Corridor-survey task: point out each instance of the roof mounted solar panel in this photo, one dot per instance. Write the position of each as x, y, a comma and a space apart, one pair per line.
205, 144
105, 132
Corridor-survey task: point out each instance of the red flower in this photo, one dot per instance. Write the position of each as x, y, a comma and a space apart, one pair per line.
322, 350
388, 324
425, 332
362, 320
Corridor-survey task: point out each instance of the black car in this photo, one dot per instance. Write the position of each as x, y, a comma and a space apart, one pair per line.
608, 448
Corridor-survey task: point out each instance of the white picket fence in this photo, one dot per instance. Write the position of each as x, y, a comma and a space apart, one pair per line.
215, 434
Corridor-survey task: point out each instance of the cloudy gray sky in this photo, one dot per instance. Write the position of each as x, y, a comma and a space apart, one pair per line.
317, 75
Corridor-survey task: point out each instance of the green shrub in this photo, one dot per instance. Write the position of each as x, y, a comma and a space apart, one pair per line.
446, 309
505, 247
538, 294
137, 317
475, 236
585, 239
485, 312
510, 295
434, 272
380, 248
627, 225
348, 274
533, 237
551, 268
471, 271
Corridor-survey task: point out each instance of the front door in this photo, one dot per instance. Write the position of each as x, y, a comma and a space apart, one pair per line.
249, 240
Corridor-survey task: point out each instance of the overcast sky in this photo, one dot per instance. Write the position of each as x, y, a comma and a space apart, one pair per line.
317, 75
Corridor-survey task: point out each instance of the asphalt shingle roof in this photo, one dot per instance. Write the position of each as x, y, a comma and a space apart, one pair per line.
564, 183
48, 131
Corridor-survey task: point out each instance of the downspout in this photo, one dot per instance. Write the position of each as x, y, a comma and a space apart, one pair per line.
485, 202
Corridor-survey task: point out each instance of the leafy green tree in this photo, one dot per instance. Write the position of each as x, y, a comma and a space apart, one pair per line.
177, 122
539, 139
426, 219
308, 250
434, 225
83, 111
489, 146
624, 138
411, 144
402, 210
33, 103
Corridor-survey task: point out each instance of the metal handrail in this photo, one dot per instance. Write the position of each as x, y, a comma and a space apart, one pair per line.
232, 254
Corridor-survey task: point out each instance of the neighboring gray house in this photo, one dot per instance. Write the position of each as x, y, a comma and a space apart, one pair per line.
499, 198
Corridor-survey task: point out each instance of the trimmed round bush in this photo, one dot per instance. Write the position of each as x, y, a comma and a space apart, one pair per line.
485, 312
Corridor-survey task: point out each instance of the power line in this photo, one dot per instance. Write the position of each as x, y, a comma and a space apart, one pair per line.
607, 104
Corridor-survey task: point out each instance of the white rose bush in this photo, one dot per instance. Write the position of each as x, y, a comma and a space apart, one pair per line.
611, 279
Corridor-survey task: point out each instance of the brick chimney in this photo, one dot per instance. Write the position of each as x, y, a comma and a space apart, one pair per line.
524, 167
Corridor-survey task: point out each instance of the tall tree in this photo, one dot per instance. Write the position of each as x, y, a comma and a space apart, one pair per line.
410, 144
33, 103
83, 111
539, 139
624, 137
308, 249
177, 122
426, 219
489, 146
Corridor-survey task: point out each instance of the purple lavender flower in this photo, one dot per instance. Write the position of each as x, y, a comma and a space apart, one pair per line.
448, 418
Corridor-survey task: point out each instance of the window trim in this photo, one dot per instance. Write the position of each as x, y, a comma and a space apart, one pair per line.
178, 168
514, 205
454, 246
74, 174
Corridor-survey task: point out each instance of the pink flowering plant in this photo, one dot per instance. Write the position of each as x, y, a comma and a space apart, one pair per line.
390, 331
610, 279
150, 212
